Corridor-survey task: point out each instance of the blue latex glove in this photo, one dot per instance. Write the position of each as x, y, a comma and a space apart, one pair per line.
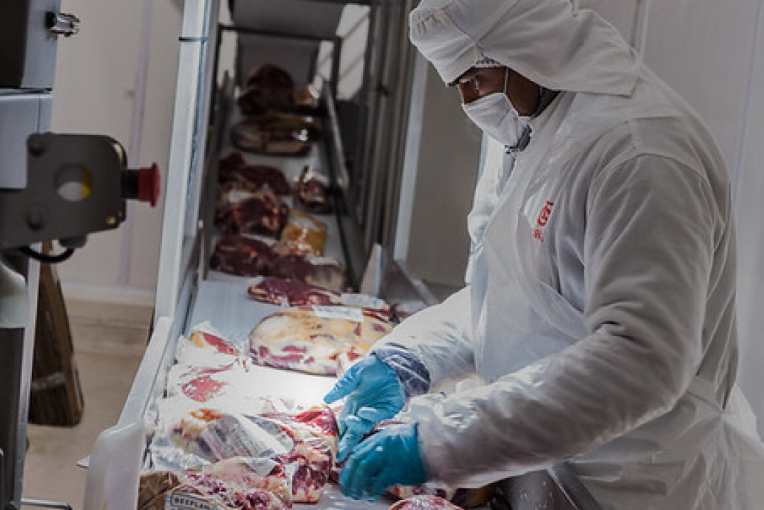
373, 392
389, 457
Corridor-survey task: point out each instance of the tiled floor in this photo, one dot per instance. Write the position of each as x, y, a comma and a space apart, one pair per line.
107, 356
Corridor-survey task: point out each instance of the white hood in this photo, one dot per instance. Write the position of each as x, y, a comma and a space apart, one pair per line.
547, 41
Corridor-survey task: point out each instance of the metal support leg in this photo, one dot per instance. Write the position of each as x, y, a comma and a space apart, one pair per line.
11, 355
45, 504
18, 298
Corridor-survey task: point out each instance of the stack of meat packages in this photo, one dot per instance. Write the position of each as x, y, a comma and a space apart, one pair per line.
278, 118
218, 443
223, 437
262, 235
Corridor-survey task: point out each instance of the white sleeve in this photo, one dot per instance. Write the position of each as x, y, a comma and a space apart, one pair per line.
651, 233
438, 337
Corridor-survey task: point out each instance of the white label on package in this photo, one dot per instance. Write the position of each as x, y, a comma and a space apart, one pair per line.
246, 437
263, 467
339, 312
362, 300
188, 502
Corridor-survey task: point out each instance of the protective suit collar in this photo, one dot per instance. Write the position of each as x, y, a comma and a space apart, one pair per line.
547, 41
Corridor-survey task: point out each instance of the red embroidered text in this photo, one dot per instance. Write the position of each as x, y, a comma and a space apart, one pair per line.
541, 220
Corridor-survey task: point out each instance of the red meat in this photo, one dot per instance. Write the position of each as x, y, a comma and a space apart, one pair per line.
279, 291
262, 213
242, 256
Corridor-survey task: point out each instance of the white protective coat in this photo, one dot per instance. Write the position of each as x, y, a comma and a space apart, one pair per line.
600, 308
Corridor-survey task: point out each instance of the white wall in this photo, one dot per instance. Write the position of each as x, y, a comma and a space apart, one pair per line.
711, 53
95, 92
438, 245
353, 28
750, 212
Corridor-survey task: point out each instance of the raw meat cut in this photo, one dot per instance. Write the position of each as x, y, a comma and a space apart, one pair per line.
315, 435
260, 213
228, 485
252, 178
311, 339
204, 383
312, 191
303, 443
303, 234
242, 256
205, 347
246, 473
208, 384
275, 134
205, 339
268, 88
424, 502
321, 272
286, 293
232, 162
279, 291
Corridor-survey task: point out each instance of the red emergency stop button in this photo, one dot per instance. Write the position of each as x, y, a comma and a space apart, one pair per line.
141, 184
148, 184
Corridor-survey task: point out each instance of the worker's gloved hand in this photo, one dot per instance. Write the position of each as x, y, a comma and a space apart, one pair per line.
373, 392
389, 457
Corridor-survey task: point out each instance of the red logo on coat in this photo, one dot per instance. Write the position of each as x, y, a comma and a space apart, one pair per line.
541, 220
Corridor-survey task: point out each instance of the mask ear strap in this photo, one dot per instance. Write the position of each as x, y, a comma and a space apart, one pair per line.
506, 78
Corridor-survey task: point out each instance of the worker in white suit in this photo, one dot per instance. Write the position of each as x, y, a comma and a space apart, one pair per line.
600, 303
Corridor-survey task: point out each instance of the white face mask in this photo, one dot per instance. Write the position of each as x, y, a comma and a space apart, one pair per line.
496, 117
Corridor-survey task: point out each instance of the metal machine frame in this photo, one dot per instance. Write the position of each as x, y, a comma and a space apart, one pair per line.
52, 187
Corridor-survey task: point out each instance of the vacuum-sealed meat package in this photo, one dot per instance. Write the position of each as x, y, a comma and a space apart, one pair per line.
204, 384
276, 134
304, 443
313, 191
233, 161
205, 346
267, 88
216, 435
290, 293
234, 173
424, 502
303, 234
246, 484
242, 256
322, 272
316, 435
260, 213
312, 339
286, 293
